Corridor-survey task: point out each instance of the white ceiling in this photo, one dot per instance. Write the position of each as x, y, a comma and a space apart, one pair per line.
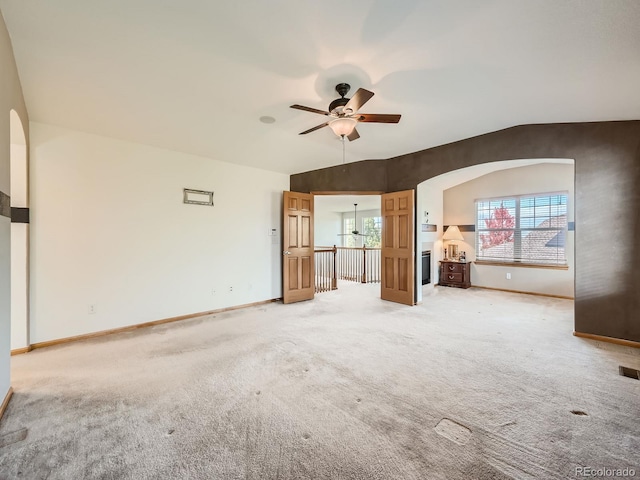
196, 75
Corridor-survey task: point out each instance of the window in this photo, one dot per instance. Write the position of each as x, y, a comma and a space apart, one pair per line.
349, 226
530, 229
372, 227
369, 226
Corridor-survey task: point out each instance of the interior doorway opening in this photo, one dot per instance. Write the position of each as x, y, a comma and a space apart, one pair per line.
19, 181
348, 236
397, 247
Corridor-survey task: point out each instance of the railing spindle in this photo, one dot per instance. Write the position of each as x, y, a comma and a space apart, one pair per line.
346, 263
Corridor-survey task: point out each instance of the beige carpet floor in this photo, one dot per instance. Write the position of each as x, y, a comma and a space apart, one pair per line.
472, 384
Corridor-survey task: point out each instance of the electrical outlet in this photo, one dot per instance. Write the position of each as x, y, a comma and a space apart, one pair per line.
92, 309
213, 291
231, 289
508, 276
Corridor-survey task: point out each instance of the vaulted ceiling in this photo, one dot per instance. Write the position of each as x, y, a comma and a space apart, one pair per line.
196, 75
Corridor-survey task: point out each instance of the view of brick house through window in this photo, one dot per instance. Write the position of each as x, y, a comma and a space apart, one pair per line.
529, 229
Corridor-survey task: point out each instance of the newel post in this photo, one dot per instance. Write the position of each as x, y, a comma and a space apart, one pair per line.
334, 281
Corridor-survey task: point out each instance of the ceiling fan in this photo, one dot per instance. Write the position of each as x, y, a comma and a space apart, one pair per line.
355, 224
343, 113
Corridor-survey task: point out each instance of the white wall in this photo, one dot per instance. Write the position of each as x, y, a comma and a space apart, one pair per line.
459, 209
19, 237
19, 285
10, 99
18, 159
109, 229
327, 226
5, 299
429, 200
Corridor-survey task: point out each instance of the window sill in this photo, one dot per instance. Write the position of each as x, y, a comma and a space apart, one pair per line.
522, 265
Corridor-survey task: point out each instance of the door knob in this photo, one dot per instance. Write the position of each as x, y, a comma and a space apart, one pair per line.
286, 252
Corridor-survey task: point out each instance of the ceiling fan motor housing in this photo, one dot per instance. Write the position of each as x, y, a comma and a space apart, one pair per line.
342, 89
338, 104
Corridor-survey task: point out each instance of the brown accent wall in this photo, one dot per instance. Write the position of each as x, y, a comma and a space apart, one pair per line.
367, 175
607, 203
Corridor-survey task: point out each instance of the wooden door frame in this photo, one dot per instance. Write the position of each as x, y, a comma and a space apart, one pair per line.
361, 192
416, 232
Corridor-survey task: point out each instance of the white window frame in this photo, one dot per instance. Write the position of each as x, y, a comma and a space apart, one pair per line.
520, 257
348, 225
377, 225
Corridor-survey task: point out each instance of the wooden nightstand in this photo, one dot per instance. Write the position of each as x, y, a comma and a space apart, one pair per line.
455, 274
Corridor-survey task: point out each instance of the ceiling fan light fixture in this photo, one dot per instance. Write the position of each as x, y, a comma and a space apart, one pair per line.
343, 126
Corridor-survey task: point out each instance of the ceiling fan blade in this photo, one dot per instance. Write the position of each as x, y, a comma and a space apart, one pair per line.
378, 118
318, 127
361, 97
309, 109
353, 135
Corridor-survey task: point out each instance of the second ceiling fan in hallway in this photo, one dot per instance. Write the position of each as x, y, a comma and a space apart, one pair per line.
355, 224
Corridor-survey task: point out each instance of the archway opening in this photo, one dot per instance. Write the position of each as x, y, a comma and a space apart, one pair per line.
450, 199
19, 235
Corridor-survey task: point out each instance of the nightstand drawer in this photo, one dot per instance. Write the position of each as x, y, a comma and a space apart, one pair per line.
453, 277
453, 268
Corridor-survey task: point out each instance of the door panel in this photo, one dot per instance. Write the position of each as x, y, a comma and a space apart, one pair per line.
306, 232
388, 228
297, 257
398, 252
387, 269
403, 231
306, 272
293, 273
293, 232
403, 273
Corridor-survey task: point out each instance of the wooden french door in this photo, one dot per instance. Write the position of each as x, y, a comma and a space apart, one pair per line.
398, 263
297, 242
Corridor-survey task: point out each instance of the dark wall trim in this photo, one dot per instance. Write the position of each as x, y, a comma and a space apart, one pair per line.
571, 226
19, 215
607, 176
5, 205
462, 228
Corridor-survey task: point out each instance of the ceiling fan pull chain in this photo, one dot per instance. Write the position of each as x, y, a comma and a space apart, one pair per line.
343, 157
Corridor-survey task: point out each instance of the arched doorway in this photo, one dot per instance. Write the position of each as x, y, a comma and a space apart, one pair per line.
432, 212
19, 235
